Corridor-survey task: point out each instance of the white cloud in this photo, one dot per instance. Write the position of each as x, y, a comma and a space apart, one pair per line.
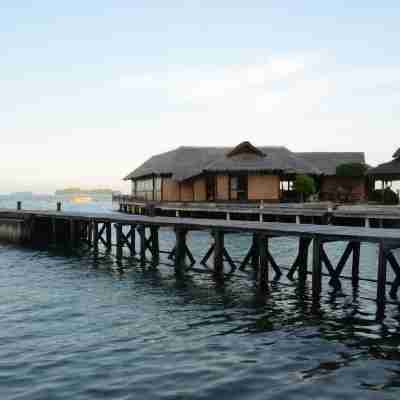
99, 133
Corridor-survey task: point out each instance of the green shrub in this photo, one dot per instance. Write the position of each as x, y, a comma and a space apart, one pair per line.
389, 196
351, 170
304, 185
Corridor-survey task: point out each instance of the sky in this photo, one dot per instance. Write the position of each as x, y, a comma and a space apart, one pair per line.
91, 89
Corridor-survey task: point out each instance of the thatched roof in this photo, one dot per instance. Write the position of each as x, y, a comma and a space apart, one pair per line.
327, 162
182, 163
273, 159
187, 162
389, 170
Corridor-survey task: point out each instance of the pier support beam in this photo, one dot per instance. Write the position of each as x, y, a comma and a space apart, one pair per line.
108, 237
118, 229
317, 269
263, 268
219, 253
253, 255
143, 244
89, 233
381, 284
54, 231
72, 233
155, 245
355, 268
180, 249
95, 225
301, 261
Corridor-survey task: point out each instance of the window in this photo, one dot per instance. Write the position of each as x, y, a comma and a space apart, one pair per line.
147, 189
144, 189
287, 185
238, 186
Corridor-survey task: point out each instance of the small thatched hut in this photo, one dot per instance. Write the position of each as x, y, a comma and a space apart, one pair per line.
389, 171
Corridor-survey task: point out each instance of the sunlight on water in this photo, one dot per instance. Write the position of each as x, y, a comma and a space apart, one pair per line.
79, 327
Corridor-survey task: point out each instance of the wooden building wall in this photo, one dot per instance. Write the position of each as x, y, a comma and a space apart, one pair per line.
170, 190
332, 187
186, 189
263, 187
200, 190
222, 192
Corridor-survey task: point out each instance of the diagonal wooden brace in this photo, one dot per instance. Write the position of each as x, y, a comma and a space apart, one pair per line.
396, 269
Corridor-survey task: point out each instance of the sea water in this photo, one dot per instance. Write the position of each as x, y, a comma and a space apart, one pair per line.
76, 326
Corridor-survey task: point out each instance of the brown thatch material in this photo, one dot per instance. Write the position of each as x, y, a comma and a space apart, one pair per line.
388, 171
245, 147
182, 163
188, 162
397, 153
278, 159
327, 162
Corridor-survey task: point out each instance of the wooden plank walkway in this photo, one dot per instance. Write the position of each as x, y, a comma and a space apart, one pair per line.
375, 235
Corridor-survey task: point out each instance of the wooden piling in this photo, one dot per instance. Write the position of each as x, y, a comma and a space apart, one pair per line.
317, 269
90, 233
263, 269
355, 268
155, 245
72, 233
381, 283
255, 258
180, 249
219, 252
108, 236
95, 225
118, 231
54, 230
142, 234
304, 244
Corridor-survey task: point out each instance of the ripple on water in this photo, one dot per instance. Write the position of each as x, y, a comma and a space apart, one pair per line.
77, 328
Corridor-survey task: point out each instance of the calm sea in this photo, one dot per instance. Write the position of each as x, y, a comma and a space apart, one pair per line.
78, 327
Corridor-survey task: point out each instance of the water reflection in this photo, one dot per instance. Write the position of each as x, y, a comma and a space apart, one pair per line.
158, 325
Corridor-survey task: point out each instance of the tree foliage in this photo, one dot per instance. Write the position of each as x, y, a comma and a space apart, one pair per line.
304, 185
351, 170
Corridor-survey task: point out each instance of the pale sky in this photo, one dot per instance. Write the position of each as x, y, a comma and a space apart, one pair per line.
90, 89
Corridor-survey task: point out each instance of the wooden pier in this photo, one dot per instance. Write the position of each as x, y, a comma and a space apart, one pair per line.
367, 215
96, 230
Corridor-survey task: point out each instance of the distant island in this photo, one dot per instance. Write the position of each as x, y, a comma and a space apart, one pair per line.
85, 192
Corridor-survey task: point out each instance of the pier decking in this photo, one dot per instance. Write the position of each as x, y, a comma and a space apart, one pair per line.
95, 229
319, 212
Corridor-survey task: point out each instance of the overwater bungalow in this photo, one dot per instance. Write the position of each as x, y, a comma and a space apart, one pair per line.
382, 178
244, 173
388, 171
